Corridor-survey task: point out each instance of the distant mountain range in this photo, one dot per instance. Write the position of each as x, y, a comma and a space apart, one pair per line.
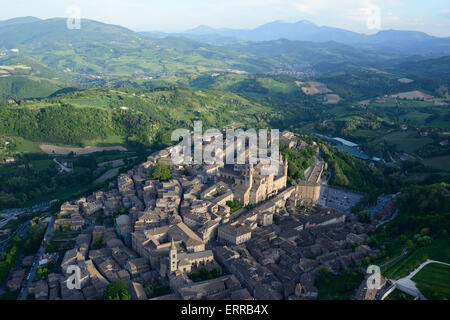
393, 41
98, 50
104, 49
385, 41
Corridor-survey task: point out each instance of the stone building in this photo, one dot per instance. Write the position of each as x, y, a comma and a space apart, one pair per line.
308, 191
155, 243
236, 234
184, 261
255, 184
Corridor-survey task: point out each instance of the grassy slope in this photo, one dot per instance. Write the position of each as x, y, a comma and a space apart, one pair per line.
434, 281
439, 250
99, 117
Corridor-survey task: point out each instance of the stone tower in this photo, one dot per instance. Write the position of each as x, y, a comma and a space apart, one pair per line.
248, 174
173, 257
285, 167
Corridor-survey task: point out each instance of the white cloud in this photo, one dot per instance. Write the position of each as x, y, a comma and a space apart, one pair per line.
446, 13
392, 18
303, 8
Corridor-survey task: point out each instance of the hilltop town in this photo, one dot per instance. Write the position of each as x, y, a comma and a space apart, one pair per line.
251, 235
112, 185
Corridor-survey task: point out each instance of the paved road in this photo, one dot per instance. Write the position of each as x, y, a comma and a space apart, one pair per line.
20, 231
61, 166
23, 294
9, 213
379, 205
386, 221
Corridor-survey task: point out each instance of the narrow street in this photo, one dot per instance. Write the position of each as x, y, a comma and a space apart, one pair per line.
23, 294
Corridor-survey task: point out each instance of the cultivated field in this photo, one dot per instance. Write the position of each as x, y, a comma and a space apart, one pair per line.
314, 87
411, 95
332, 99
405, 80
12, 68
406, 141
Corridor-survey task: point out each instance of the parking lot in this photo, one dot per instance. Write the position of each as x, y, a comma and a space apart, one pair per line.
338, 199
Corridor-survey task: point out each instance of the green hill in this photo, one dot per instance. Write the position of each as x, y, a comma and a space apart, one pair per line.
22, 87
82, 115
18, 20
46, 34
421, 227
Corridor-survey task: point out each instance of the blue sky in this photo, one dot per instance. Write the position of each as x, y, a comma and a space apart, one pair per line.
431, 16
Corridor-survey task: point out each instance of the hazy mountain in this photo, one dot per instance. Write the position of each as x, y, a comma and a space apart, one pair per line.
202, 30
54, 31
392, 41
301, 31
18, 20
439, 67
407, 42
99, 49
213, 39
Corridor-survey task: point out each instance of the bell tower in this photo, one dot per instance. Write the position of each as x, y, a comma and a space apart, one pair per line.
173, 257
248, 173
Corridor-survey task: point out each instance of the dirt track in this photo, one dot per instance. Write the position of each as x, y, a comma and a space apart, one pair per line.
49, 149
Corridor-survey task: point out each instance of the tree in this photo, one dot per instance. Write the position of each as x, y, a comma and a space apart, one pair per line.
364, 216
234, 206
161, 172
98, 241
116, 290
409, 244
41, 272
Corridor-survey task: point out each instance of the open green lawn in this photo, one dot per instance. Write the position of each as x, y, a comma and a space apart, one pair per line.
407, 141
42, 164
415, 103
88, 102
439, 250
434, 281
440, 123
26, 146
440, 163
366, 134
416, 118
